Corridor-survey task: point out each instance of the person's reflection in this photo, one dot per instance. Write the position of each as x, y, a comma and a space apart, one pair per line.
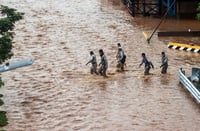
102, 85
164, 79
147, 80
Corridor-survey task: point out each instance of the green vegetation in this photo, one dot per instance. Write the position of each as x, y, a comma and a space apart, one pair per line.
198, 12
3, 118
7, 24
1, 102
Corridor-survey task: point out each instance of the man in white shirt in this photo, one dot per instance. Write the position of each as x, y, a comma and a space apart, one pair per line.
93, 61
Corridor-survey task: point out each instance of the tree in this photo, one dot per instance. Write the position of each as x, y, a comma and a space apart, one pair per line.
198, 12
7, 24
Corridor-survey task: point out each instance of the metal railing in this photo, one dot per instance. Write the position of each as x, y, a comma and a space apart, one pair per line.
188, 85
16, 64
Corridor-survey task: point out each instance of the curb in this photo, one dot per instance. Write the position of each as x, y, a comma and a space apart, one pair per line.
184, 47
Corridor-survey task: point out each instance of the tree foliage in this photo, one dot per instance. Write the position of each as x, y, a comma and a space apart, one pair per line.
198, 11
6, 27
11, 14
7, 24
5, 48
3, 118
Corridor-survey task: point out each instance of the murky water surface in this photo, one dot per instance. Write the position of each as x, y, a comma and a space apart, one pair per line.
57, 92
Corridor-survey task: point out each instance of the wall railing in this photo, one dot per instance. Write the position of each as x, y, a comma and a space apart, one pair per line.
188, 85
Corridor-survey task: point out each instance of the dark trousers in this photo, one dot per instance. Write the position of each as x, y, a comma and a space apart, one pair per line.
93, 68
146, 70
102, 70
164, 69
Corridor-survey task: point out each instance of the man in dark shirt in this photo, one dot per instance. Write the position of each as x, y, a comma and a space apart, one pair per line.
147, 64
164, 64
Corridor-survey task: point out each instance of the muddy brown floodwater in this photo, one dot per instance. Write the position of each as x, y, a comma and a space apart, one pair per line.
58, 93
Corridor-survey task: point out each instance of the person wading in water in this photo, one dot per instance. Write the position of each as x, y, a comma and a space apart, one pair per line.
147, 64
103, 64
164, 64
121, 57
93, 61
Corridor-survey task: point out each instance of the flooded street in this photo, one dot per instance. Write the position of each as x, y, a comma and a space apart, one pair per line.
58, 93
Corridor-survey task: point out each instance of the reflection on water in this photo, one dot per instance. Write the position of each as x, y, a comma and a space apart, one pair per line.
165, 79
146, 80
58, 93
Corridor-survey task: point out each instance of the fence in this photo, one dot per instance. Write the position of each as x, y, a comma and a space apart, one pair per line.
188, 85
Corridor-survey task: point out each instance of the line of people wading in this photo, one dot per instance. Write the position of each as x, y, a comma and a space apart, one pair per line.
121, 62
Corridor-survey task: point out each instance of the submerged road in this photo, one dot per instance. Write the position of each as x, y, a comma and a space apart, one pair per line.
58, 93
